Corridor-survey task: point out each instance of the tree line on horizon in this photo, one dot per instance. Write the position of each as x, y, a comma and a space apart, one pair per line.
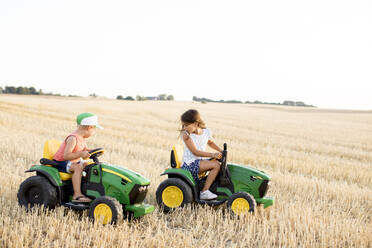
161, 97
27, 91
21, 90
285, 103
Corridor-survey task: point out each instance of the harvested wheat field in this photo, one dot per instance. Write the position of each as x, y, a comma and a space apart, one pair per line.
320, 162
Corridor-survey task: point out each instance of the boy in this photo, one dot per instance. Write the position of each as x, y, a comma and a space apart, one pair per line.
73, 149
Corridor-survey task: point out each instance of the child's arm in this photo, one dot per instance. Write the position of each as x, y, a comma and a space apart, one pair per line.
190, 144
214, 146
70, 145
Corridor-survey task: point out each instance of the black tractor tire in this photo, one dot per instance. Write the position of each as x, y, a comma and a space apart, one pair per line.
107, 203
178, 186
245, 199
37, 190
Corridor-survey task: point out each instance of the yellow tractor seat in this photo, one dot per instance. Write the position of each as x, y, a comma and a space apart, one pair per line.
50, 148
175, 162
65, 176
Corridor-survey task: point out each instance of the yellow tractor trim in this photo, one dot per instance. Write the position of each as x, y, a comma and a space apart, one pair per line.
102, 151
117, 174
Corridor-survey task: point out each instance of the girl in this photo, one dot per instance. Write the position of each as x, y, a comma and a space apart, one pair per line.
196, 136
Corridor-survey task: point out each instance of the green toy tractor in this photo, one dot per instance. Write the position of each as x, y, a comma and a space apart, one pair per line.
114, 191
241, 186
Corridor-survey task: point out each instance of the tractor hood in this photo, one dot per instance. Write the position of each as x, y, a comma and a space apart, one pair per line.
125, 173
244, 169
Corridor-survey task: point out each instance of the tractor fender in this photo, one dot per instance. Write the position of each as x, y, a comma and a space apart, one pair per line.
43, 173
182, 177
46, 175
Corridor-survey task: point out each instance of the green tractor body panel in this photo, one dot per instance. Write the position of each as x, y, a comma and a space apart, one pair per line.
124, 185
224, 190
50, 173
140, 209
247, 179
126, 174
245, 170
118, 182
181, 173
266, 201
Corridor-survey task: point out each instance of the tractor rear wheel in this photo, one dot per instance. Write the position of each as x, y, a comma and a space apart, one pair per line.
37, 190
173, 193
241, 203
106, 210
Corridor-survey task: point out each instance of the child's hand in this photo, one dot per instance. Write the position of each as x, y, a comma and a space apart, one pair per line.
84, 154
217, 155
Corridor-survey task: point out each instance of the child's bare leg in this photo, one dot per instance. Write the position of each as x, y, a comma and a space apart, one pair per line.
213, 166
77, 171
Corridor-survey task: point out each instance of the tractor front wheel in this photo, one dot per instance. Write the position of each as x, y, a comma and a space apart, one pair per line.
105, 210
173, 193
37, 190
241, 203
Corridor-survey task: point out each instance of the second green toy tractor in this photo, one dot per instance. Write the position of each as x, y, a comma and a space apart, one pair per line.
115, 191
241, 186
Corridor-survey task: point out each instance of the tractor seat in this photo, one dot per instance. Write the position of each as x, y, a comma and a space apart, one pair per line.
50, 148
175, 163
65, 176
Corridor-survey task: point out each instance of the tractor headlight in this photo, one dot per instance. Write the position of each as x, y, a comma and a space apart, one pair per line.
138, 193
263, 188
142, 188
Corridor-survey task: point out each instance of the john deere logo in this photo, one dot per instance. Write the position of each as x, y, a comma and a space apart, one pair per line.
254, 178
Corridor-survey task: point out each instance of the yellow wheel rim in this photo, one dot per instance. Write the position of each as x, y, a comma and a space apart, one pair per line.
172, 196
240, 206
103, 213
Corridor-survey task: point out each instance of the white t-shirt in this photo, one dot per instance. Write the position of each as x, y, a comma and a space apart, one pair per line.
200, 142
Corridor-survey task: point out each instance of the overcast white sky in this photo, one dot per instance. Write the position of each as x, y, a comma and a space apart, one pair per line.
317, 51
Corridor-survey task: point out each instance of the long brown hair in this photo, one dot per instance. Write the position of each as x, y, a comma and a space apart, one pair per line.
191, 116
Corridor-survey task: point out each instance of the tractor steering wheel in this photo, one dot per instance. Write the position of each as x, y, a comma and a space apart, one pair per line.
223, 159
95, 153
225, 179
224, 156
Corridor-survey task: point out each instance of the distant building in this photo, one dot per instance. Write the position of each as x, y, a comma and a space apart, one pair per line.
289, 103
301, 104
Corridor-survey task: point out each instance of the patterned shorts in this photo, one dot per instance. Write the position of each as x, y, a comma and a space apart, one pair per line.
193, 168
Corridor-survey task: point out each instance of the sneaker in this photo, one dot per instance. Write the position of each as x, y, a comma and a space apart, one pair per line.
207, 195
